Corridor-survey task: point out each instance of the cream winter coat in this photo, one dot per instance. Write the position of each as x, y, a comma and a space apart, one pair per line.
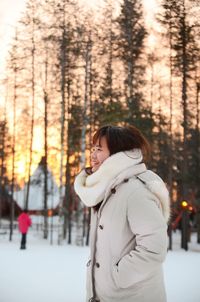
128, 234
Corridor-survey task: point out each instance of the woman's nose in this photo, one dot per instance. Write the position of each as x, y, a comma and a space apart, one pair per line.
93, 154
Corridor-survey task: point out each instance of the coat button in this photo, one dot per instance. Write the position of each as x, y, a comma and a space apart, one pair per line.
101, 226
113, 190
88, 263
97, 265
126, 180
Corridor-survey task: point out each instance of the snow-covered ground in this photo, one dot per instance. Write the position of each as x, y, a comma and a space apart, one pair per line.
51, 273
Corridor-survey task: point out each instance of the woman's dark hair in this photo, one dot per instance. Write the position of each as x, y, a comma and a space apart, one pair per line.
122, 139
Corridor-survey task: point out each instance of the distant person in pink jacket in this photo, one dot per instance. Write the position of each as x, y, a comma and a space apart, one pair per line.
24, 222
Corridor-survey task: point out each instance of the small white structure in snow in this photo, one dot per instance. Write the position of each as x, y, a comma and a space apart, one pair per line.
36, 191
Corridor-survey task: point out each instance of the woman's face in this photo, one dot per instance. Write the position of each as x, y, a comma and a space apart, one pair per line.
100, 152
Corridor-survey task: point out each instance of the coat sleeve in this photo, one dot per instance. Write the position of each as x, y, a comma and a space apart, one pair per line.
150, 229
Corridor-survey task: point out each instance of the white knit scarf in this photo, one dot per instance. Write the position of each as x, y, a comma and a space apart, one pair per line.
92, 188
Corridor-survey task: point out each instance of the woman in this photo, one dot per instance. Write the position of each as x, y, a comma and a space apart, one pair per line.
130, 209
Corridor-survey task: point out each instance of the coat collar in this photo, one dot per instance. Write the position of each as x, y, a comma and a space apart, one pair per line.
93, 188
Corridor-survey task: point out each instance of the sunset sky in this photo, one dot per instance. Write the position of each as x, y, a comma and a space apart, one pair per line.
10, 12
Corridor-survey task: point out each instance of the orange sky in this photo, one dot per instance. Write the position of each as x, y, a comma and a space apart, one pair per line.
10, 11
8, 19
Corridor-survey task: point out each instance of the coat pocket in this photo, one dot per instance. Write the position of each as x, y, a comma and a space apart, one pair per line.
115, 275
123, 277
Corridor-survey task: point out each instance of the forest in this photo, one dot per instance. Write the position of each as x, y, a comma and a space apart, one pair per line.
71, 69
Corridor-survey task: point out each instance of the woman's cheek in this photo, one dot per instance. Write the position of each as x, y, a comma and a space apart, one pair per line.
100, 159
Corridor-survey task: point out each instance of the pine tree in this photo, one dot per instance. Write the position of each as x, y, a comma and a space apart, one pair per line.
46, 105
28, 24
13, 68
5, 150
166, 18
182, 41
109, 106
131, 37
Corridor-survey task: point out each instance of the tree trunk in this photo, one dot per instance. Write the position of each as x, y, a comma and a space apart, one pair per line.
170, 158
184, 105
32, 106
79, 231
46, 102
12, 205
2, 183
68, 199
45, 167
62, 119
197, 126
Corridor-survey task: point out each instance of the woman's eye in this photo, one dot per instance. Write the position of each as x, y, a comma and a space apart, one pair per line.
96, 149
